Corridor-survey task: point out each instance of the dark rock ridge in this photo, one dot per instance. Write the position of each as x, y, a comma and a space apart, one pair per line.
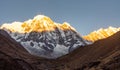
101, 55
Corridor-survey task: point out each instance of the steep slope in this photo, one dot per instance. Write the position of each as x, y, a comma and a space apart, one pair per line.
101, 34
43, 37
12, 54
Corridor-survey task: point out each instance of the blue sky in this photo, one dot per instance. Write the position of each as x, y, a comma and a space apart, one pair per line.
84, 15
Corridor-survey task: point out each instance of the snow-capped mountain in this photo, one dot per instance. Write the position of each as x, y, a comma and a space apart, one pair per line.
42, 37
101, 33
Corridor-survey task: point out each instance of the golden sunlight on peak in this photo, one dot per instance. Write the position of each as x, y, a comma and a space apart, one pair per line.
101, 33
39, 23
14, 27
66, 26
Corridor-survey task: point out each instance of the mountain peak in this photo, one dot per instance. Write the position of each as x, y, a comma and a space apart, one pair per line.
39, 23
43, 20
43, 37
40, 17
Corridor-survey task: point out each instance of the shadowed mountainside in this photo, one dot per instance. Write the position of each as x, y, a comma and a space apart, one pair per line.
101, 55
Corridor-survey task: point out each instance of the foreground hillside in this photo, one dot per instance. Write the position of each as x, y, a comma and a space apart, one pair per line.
101, 55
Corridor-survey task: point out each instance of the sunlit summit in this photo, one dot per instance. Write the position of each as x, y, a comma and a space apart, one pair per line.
39, 23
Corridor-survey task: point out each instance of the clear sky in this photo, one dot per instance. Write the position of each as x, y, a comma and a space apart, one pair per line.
84, 15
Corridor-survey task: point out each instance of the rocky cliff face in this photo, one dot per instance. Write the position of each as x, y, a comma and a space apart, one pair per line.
42, 37
101, 34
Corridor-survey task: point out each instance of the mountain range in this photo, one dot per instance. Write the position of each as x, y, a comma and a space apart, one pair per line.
41, 44
101, 33
42, 37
